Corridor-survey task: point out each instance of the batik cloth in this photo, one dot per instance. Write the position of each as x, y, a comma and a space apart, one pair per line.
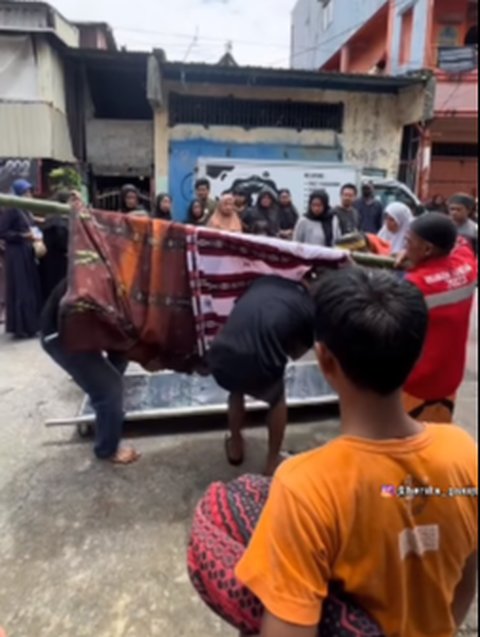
223, 523
129, 290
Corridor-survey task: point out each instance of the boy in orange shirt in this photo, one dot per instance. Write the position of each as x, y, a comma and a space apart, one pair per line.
385, 515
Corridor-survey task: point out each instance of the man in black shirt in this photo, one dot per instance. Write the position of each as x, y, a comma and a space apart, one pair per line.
271, 322
370, 211
99, 376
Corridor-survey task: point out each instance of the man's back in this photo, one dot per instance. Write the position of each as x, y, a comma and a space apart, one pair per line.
265, 321
338, 515
448, 284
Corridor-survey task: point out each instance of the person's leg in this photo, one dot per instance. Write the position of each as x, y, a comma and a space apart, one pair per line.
119, 361
277, 423
236, 421
104, 386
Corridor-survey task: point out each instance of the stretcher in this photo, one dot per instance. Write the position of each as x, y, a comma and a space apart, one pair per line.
153, 397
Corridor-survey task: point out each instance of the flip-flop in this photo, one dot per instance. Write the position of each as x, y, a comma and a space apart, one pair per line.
232, 461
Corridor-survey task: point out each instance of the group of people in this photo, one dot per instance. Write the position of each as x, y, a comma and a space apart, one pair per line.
275, 215
325, 539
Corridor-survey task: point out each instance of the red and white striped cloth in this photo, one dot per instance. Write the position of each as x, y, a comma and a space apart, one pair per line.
222, 266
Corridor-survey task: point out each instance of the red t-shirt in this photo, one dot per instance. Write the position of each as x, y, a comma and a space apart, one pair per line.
448, 284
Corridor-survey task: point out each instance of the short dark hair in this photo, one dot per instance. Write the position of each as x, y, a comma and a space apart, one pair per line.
373, 323
349, 187
202, 182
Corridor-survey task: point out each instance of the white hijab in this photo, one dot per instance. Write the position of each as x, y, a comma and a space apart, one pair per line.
403, 216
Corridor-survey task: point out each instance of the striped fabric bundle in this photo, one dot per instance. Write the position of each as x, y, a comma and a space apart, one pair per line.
221, 267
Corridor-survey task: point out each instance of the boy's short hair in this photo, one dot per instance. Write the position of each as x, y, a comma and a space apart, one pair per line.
374, 324
202, 182
349, 187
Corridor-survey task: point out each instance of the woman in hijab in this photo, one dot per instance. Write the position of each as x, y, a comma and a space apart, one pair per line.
130, 201
320, 225
196, 215
163, 207
398, 218
288, 214
265, 214
225, 216
23, 298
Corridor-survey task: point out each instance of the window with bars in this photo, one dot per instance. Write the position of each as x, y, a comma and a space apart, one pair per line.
219, 111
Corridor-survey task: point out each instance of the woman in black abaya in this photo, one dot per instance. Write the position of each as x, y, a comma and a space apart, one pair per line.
23, 302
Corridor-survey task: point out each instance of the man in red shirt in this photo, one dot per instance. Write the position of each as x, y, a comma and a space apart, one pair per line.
444, 268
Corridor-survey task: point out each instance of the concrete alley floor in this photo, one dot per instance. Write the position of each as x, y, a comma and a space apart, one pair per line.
92, 550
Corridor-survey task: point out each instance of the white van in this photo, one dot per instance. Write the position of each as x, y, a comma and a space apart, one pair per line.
301, 178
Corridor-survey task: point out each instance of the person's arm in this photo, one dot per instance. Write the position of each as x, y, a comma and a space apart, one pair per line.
273, 627
287, 564
336, 230
10, 227
465, 593
298, 233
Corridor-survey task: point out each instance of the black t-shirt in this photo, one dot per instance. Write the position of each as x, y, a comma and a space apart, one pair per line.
274, 316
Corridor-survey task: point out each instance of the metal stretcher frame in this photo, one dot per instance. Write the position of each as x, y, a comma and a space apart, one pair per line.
304, 378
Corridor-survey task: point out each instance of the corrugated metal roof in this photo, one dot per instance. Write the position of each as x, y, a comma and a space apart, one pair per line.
270, 77
34, 130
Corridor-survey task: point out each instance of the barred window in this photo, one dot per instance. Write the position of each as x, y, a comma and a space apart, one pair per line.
220, 111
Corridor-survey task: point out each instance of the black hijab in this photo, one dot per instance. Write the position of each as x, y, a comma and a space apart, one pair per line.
326, 218
159, 214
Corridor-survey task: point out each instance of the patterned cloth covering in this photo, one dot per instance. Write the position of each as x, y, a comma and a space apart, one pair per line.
160, 291
223, 265
129, 290
223, 523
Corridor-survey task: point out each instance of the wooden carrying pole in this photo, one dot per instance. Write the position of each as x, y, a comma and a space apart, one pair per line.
42, 207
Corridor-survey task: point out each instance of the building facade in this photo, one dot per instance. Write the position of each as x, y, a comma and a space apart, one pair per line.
266, 114
401, 37
34, 132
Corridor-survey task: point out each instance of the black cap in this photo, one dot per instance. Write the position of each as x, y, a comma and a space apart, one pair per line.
437, 229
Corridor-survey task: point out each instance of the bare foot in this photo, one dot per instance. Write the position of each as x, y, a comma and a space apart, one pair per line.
125, 455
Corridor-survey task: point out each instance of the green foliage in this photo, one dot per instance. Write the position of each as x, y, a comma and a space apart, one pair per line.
64, 179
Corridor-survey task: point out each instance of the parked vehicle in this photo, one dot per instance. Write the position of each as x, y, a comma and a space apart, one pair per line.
389, 190
301, 178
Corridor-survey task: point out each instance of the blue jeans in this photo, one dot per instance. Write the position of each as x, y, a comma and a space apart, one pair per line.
102, 380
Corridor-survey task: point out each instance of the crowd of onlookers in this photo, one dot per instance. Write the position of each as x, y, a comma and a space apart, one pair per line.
272, 214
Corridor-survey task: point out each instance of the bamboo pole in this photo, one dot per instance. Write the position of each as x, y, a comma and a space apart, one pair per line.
43, 207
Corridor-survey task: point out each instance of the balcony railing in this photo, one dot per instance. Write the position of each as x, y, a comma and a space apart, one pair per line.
457, 59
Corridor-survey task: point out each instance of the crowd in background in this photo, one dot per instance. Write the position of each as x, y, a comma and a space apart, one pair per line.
33, 261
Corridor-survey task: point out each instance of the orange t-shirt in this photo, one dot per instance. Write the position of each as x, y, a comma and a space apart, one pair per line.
331, 517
